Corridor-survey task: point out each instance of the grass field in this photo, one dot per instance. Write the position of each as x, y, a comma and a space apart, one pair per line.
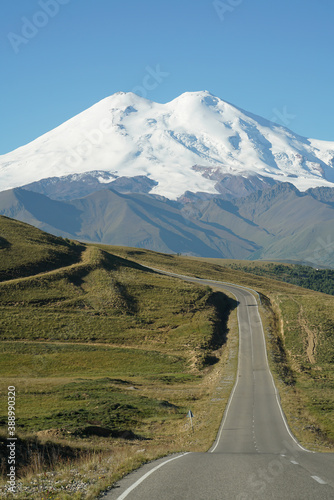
108, 357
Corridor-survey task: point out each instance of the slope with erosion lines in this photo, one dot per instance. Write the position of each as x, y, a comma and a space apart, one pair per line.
278, 223
131, 220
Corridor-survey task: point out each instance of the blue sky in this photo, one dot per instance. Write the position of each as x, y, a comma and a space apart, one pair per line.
58, 57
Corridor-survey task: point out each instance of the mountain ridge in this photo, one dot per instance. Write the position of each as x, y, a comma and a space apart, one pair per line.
278, 223
129, 136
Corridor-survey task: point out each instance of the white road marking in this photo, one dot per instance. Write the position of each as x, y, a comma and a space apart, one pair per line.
294, 462
137, 483
318, 479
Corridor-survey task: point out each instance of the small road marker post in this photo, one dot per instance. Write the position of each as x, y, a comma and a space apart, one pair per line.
190, 415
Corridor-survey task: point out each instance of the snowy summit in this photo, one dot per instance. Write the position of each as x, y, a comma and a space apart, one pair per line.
183, 145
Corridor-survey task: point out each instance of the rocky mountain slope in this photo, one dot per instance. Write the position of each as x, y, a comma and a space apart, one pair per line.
277, 223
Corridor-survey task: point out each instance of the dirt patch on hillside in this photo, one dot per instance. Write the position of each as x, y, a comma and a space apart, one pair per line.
311, 337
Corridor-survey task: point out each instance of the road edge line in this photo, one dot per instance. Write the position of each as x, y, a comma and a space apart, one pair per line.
145, 476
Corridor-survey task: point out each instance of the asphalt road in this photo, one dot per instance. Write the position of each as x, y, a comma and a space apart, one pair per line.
255, 456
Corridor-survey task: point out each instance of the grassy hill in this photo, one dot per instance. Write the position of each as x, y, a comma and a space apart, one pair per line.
108, 357
25, 250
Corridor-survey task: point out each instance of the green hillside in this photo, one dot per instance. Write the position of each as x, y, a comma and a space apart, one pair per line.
25, 250
108, 356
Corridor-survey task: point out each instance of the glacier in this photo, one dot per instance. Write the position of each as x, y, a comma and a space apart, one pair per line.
176, 144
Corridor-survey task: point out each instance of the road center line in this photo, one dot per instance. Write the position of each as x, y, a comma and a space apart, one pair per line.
140, 480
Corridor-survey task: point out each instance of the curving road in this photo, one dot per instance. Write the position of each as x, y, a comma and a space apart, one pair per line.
255, 456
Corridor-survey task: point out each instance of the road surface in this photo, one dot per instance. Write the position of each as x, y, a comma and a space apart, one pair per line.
255, 456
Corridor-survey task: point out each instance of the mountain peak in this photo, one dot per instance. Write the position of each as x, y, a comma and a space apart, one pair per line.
128, 136
202, 97
126, 99
199, 94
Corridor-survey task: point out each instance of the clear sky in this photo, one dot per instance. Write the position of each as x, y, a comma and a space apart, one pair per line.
271, 57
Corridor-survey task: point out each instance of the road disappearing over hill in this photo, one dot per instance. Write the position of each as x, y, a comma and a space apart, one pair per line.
255, 455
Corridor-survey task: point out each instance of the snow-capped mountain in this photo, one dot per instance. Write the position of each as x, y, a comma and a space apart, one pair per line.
184, 145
